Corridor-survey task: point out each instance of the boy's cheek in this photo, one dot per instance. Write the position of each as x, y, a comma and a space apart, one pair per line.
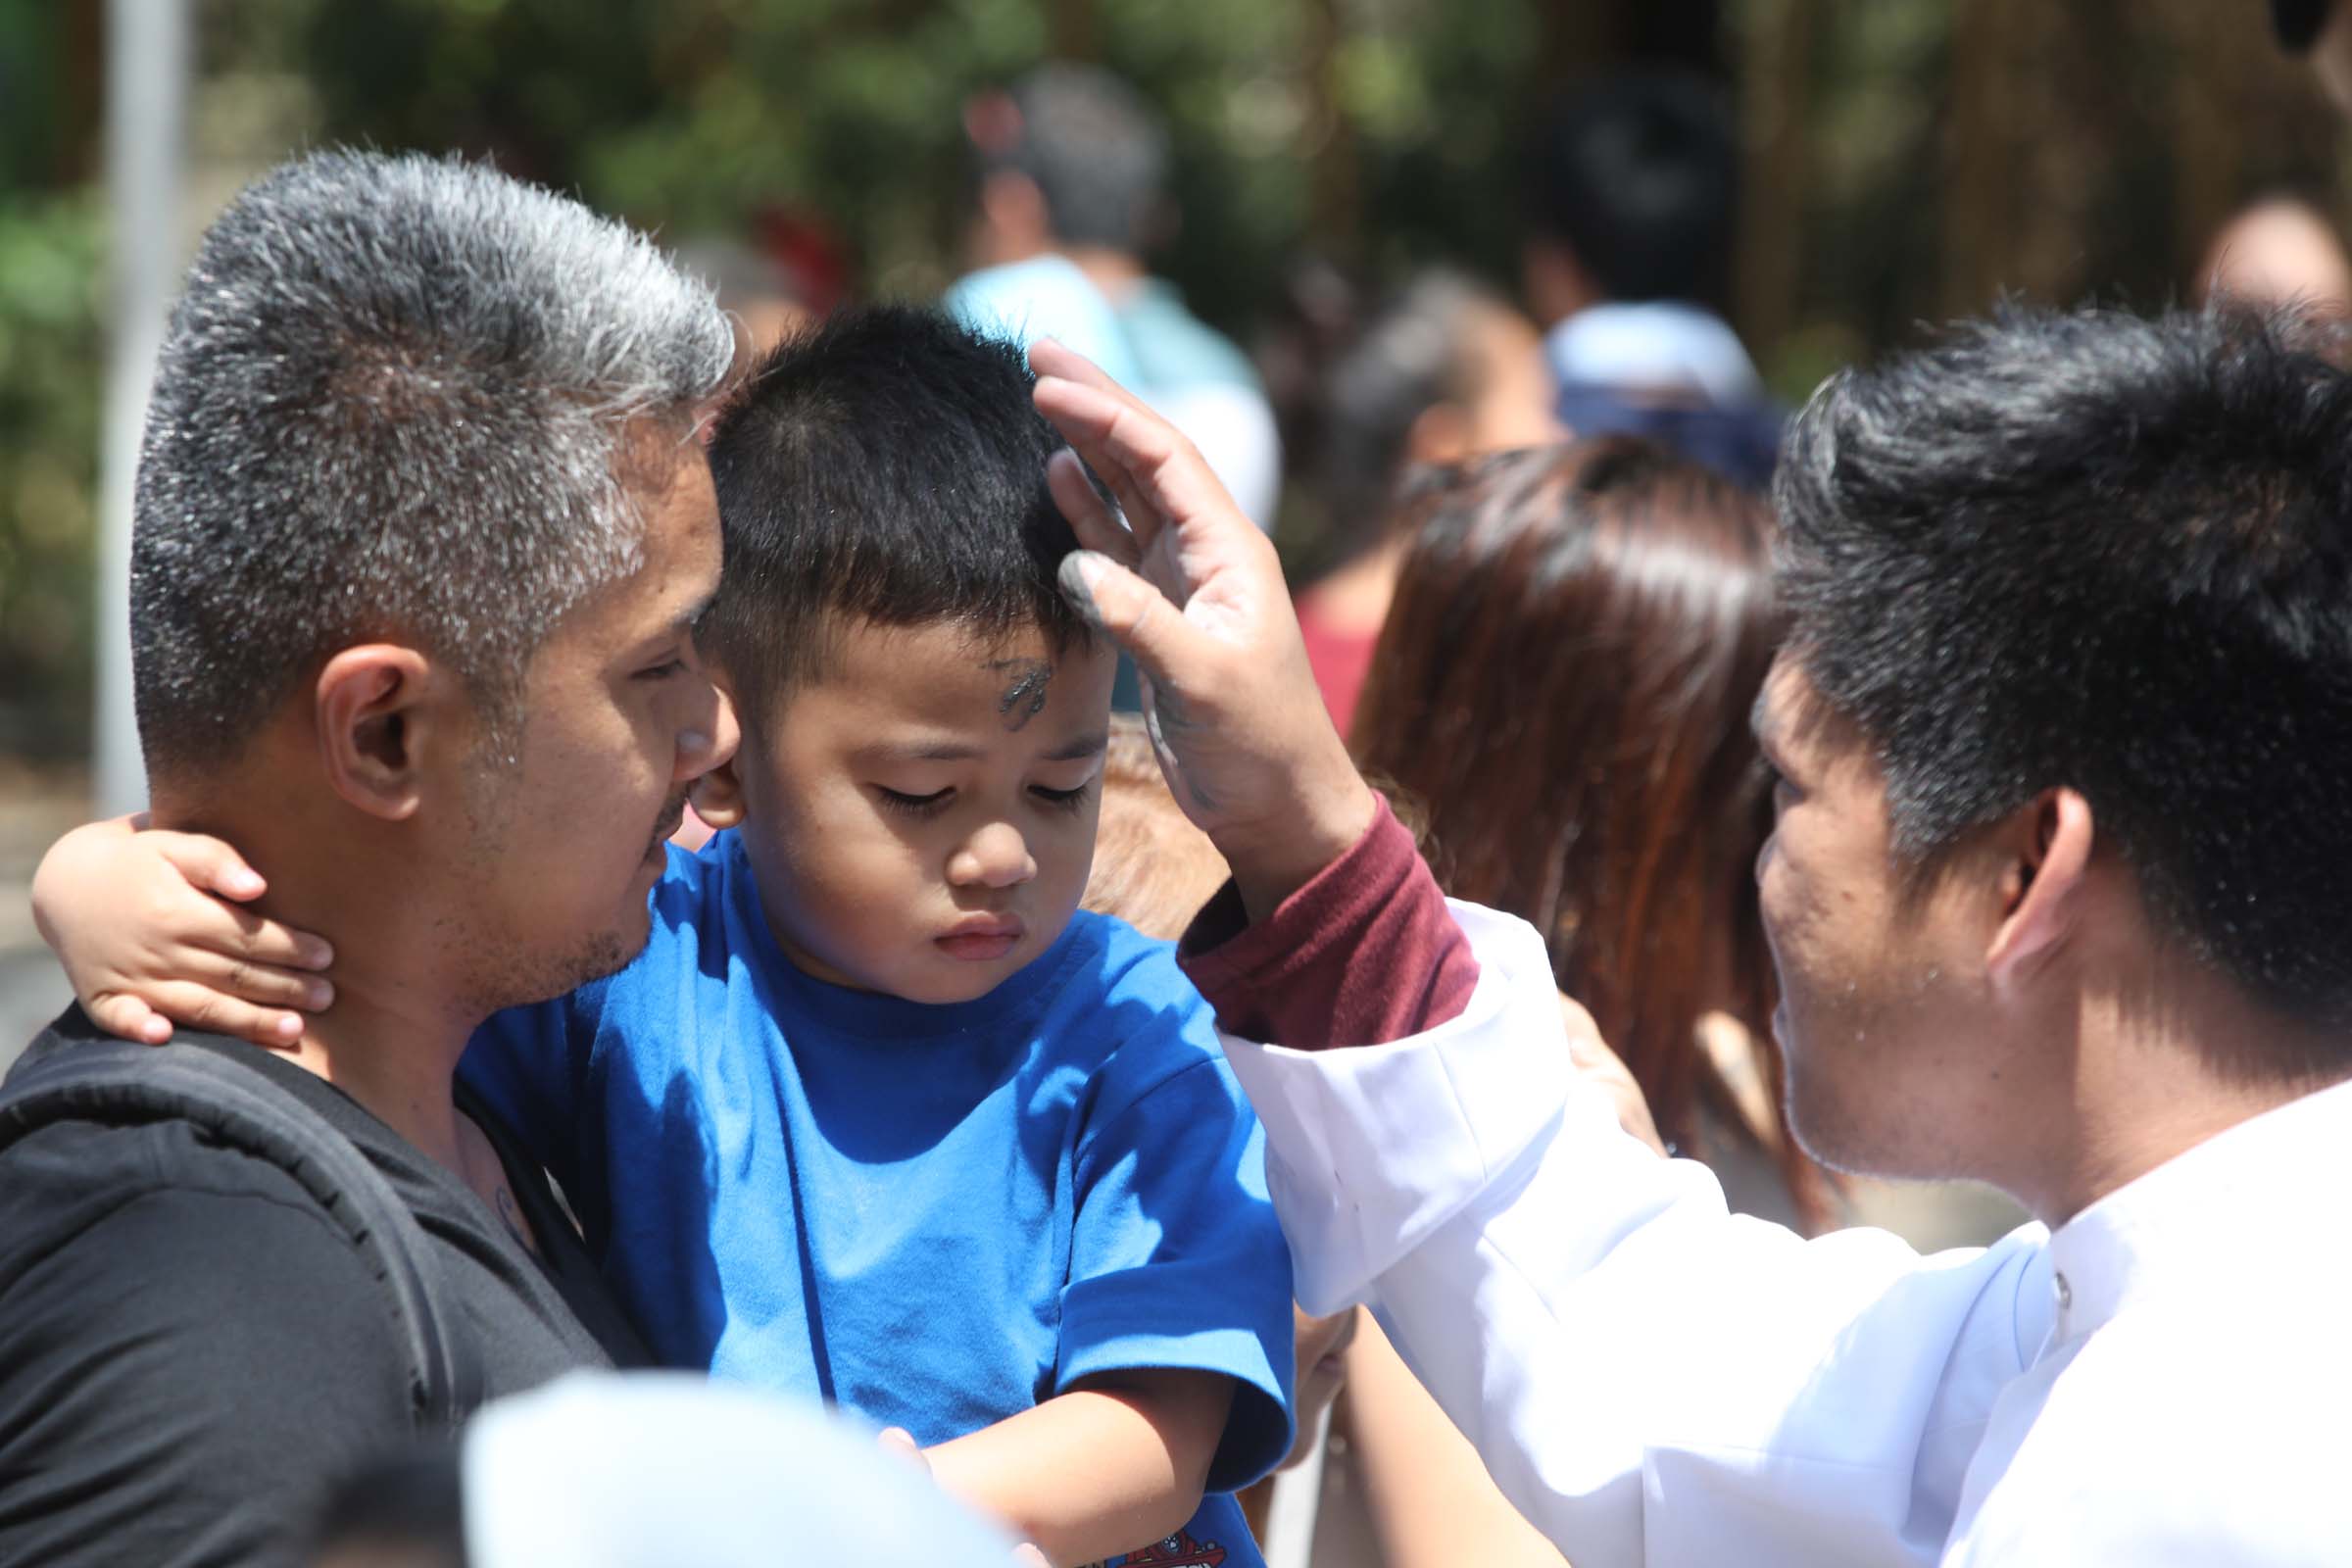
1071, 852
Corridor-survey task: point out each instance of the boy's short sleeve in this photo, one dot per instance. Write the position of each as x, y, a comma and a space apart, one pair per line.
1176, 1261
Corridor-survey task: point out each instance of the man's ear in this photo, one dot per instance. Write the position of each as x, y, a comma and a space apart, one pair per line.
2043, 883
379, 708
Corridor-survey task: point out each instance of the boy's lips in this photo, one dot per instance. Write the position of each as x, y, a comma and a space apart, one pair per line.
978, 938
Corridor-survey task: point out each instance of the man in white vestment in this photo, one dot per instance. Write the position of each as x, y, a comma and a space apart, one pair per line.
2060, 899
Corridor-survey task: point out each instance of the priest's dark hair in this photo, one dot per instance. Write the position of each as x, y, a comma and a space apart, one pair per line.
2099, 551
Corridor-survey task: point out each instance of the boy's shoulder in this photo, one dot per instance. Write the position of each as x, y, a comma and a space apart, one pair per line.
1124, 1003
705, 903
1110, 962
690, 877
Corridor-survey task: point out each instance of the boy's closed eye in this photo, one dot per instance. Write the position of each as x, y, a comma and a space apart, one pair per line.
1069, 800
930, 804
936, 801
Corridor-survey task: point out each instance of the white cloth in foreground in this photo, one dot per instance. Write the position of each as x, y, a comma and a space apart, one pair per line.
1654, 1380
666, 1470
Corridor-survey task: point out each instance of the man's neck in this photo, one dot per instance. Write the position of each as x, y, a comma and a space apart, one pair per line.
2148, 1087
396, 1060
392, 1038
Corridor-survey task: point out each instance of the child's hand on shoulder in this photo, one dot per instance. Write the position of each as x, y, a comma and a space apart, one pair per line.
148, 927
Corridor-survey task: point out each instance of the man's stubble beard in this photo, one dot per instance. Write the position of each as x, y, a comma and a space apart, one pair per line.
505, 969
1871, 1105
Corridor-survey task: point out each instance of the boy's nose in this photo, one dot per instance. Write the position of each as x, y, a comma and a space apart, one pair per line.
996, 857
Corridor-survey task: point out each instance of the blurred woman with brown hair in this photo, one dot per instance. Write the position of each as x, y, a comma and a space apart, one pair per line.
1559, 700
1563, 689
1431, 1505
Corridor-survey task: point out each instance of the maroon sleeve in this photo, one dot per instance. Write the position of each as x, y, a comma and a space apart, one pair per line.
1364, 953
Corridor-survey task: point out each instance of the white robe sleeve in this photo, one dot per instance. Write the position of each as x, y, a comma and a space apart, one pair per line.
1650, 1378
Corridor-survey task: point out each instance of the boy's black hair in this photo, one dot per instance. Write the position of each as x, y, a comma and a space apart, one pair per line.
1639, 174
2093, 550
886, 466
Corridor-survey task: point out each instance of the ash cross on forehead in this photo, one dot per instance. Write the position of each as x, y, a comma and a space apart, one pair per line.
1025, 691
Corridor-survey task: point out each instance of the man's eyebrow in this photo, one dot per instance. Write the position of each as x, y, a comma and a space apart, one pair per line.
692, 616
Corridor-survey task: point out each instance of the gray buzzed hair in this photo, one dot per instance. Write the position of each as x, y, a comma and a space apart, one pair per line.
393, 402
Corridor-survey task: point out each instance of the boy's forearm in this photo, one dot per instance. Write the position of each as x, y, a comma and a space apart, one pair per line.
1100, 1470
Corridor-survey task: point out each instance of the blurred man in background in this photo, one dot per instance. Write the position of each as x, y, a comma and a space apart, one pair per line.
1073, 196
2320, 30
1631, 191
1444, 370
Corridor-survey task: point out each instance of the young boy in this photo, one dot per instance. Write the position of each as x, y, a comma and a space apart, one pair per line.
879, 1115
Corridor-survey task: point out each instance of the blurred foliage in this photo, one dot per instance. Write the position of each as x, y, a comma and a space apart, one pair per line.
1908, 159
51, 359
51, 362
700, 115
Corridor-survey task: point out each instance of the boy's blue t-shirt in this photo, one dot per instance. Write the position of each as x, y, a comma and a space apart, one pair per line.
937, 1216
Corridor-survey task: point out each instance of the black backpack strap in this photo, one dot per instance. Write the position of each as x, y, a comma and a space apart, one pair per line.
119, 1084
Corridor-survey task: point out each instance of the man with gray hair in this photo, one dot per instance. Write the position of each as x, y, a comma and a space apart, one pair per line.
423, 531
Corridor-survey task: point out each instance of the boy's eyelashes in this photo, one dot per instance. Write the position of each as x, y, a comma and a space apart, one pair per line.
933, 804
1063, 799
675, 664
930, 804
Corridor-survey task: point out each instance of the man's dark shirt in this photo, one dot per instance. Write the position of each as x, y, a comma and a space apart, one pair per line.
190, 1348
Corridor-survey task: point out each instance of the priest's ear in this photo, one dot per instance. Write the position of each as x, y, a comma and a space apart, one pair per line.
2045, 849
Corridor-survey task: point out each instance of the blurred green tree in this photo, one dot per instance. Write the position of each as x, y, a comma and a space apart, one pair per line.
51, 361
